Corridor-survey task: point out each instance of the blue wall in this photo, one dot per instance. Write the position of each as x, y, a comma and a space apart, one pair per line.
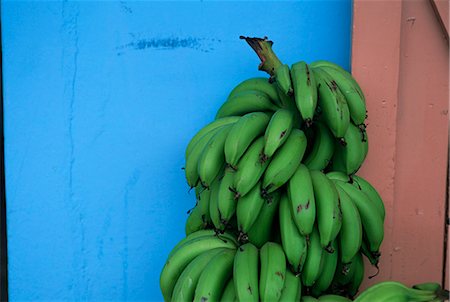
101, 99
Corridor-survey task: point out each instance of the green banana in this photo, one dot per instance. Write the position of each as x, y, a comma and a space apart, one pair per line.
348, 158
367, 188
313, 264
351, 232
333, 298
246, 102
302, 201
248, 208
371, 220
332, 104
344, 271
391, 291
429, 286
185, 286
214, 212
294, 244
226, 201
195, 221
357, 275
340, 176
322, 150
325, 278
283, 79
229, 293
260, 232
243, 133
258, 84
329, 215
292, 288
285, 161
308, 299
212, 158
208, 128
273, 272
277, 131
192, 160
213, 279
354, 97
245, 273
177, 262
373, 257
305, 90
250, 168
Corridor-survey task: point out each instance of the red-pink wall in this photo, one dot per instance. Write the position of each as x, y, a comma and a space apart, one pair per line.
400, 58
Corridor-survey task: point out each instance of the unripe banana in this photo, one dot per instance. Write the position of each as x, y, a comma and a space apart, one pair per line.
278, 131
245, 273
229, 293
294, 244
246, 102
305, 90
177, 262
273, 272
332, 104
283, 79
373, 257
250, 168
333, 298
185, 286
308, 299
212, 281
260, 232
357, 275
325, 278
354, 97
214, 212
292, 288
195, 221
208, 128
285, 161
391, 291
340, 176
350, 235
322, 150
348, 158
302, 201
371, 220
243, 133
213, 158
258, 84
313, 263
344, 272
329, 215
192, 160
226, 202
248, 209
367, 188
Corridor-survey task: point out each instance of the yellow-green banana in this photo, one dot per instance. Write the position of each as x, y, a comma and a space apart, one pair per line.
243, 133
226, 201
350, 236
329, 216
283, 79
177, 262
185, 286
245, 273
332, 104
292, 288
258, 84
246, 102
273, 272
294, 244
325, 278
313, 264
278, 131
348, 158
214, 277
285, 161
250, 168
302, 201
248, 209
305, 90
391, 291
322, 150
229, 293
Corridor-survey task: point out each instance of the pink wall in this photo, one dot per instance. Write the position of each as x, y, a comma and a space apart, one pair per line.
400, 58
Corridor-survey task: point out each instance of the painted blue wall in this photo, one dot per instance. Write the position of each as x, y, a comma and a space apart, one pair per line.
101, 99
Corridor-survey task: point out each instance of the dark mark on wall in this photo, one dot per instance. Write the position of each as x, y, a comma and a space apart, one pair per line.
170, 43
125, 7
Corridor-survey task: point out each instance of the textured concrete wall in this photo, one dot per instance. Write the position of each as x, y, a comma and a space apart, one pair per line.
101, 99
400, 57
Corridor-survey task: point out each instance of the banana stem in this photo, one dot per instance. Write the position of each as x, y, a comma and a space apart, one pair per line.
263, 48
